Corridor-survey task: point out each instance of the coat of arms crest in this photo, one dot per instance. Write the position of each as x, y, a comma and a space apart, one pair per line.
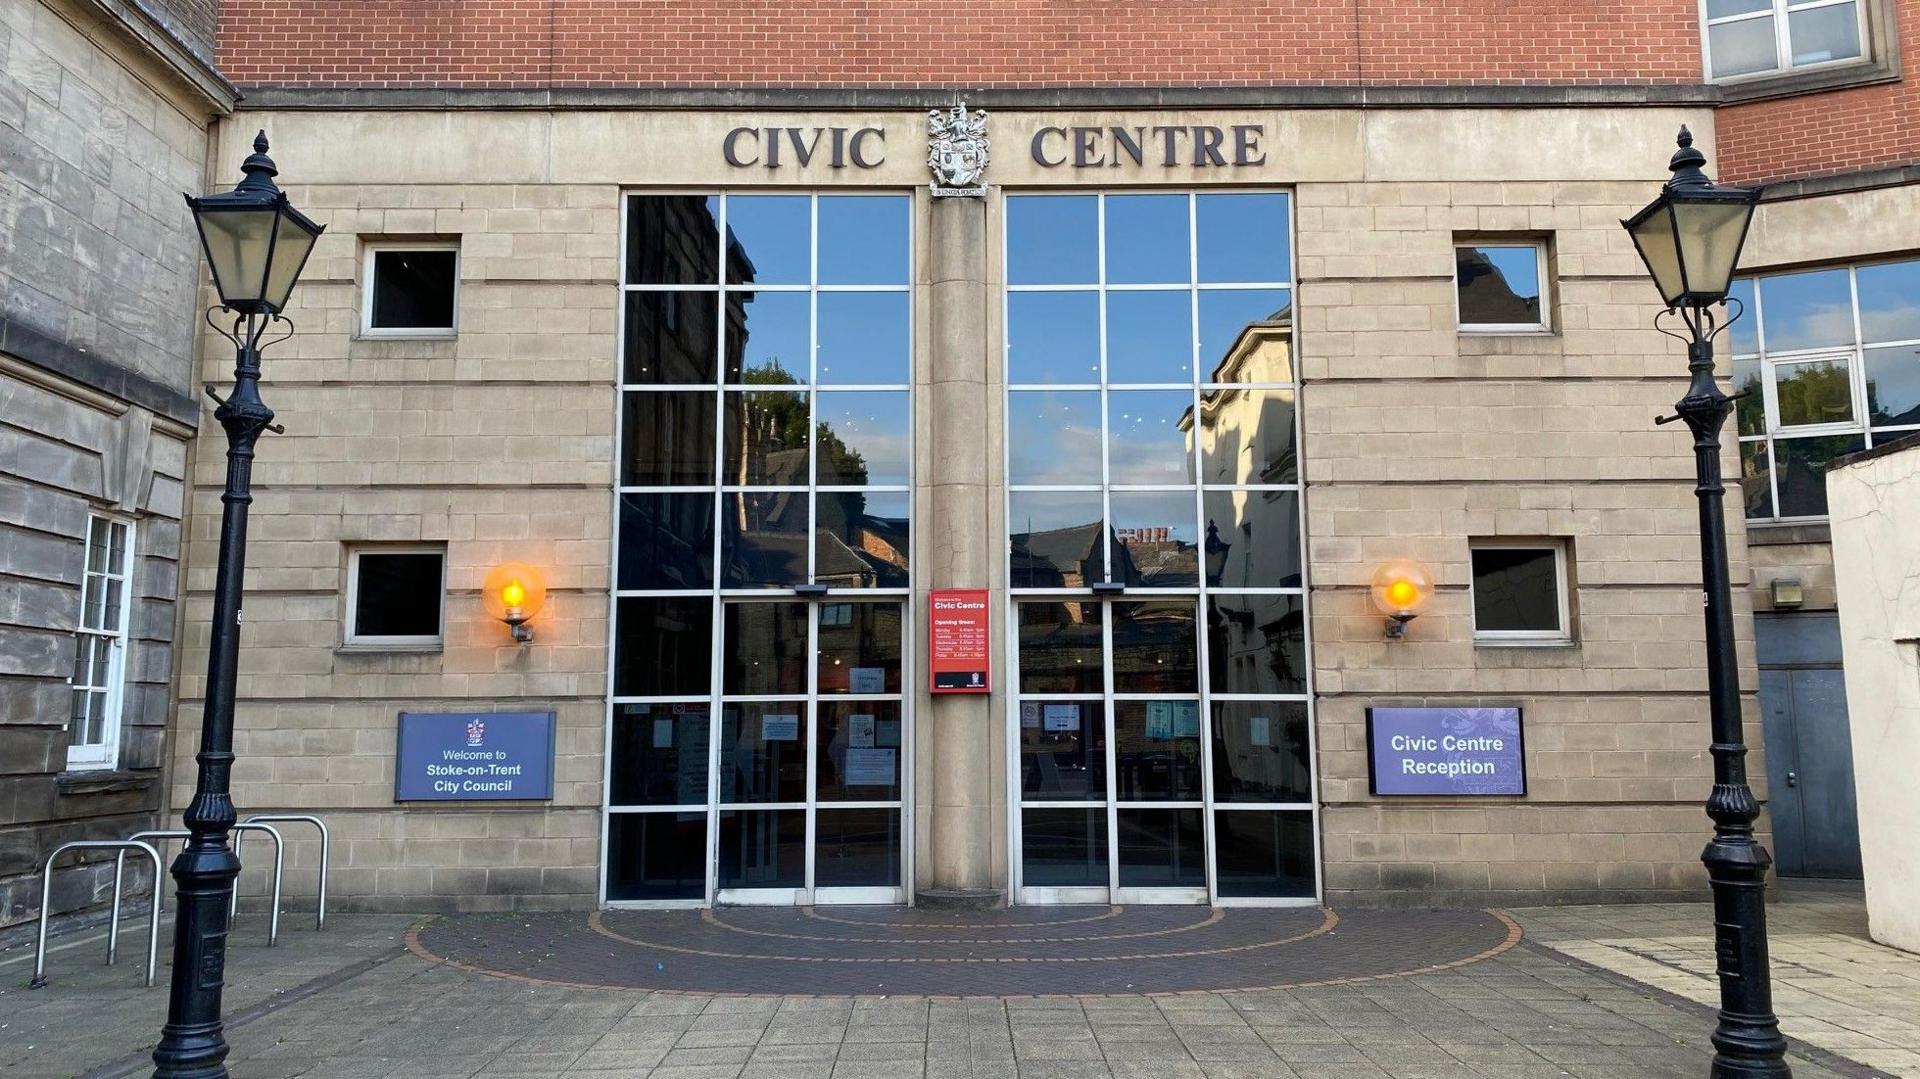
957, 148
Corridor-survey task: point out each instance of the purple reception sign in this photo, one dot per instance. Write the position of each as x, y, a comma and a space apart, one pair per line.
1457, 751
462, 756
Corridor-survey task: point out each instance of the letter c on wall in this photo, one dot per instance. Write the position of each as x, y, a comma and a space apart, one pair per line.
1039, 148
853, 148
731, 152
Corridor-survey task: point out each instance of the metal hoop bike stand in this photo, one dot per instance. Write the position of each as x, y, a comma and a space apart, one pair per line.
113, 923
326, 845
279, 863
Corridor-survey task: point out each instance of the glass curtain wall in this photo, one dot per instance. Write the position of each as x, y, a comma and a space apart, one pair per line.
1830, 362
758, 731
1163, 740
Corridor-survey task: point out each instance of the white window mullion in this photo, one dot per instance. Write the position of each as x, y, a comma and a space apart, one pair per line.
95, 702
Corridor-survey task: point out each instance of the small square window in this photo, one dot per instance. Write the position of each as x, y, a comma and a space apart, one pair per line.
1520, 591
1500, 287
410, 290
396, 596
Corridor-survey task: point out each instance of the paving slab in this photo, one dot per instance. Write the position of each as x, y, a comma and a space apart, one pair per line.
355, 1001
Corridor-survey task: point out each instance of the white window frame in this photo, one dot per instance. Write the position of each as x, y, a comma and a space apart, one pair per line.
1545, 323
720, 594
1199, 384
367, 263
378, 642
1782, 39
106, 752
1854, 355
1523, 637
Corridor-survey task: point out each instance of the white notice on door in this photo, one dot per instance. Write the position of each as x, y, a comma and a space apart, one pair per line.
1258, 732
663, 734
886, 732
867, 680
1186, 719
860, 731
779, 728
1063, 717
869, 768
1030, 714
1159, 720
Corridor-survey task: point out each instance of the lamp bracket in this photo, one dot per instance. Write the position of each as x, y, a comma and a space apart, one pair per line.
1731, 398
278, 429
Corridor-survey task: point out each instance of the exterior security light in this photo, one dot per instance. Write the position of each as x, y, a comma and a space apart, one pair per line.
514, 593
1400, 588
256, 243
1690, 237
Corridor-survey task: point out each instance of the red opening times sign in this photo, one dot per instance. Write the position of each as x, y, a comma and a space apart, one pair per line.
957, 642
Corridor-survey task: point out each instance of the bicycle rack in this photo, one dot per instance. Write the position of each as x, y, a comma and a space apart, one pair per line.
233, 908
113, 923
326, 844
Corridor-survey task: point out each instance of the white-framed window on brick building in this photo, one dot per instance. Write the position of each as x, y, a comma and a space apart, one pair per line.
396, 596
410, 289
1752, 39
1829, 360
1500, 286
1520, 593
100, 645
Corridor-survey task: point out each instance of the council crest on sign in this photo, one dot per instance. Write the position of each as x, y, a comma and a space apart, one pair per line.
957, 149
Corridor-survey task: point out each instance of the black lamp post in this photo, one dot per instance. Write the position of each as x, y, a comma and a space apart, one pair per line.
256, 245
1690, 239
1215, 550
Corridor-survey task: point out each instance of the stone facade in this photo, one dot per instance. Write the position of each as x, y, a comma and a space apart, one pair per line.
498, 443
101, 126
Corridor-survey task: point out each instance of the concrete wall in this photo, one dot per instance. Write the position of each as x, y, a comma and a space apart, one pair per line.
498, 443
99, 132
1874, 503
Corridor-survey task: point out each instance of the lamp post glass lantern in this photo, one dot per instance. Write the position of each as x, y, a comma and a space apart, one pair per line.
256, 244
1690, 238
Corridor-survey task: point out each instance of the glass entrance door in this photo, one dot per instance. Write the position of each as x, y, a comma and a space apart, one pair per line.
757, 730
1163, 746
811, 740
1112, 778
792, 792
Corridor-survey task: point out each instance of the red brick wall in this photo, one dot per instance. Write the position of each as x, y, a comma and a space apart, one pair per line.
942, 43
1838, 131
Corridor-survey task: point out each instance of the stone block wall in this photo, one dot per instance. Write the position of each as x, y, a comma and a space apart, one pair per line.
1418, 438
497, 442
98, 279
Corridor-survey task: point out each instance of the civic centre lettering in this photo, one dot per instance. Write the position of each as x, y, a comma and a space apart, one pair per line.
459, 756
1200, 145
1446, 751
861, 147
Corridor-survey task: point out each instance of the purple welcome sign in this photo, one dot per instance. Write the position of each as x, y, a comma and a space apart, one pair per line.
1457, 751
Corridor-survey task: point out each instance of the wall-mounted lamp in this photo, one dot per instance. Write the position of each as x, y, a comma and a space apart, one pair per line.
1400, 588
1788, 595
514, 593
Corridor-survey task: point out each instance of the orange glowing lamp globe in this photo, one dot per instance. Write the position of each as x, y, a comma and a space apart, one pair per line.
514, 592
1400, 589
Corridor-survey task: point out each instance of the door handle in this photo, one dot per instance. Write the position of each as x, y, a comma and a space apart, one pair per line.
1793, 779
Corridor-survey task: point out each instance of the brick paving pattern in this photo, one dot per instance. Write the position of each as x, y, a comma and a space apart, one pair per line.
353, 1001
1021, 951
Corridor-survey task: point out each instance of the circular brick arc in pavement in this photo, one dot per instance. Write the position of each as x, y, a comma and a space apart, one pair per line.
857, 951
